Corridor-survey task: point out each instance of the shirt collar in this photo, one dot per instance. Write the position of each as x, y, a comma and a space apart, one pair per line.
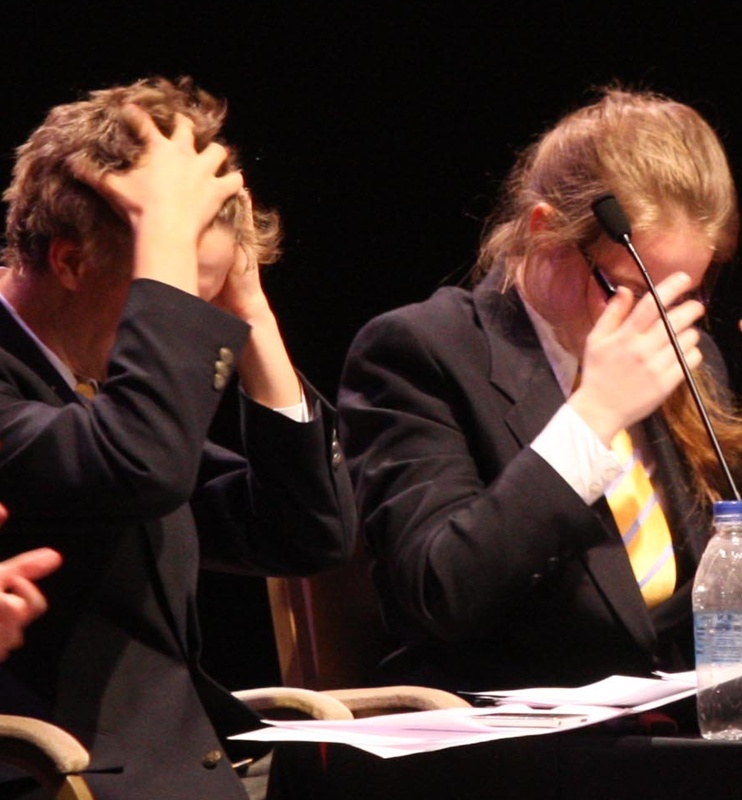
56, 361
563, 364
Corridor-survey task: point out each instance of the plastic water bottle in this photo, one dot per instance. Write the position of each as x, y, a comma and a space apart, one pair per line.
717, 622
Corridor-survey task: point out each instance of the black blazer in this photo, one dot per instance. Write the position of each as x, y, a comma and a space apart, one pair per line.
491, 570
130, 492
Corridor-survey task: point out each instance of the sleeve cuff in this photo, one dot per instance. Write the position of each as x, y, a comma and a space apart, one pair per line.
570, 446
299, 412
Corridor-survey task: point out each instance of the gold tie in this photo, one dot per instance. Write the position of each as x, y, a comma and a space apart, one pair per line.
642, 524
86, 387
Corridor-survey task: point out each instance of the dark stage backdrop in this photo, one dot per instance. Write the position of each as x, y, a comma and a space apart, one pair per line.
380, 132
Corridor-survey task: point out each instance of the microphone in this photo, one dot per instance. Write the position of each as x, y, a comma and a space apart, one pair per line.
615, 223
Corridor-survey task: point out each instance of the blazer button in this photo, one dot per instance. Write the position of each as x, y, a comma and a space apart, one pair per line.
337, 453
222, 368
553, 564
211, 759
226, 355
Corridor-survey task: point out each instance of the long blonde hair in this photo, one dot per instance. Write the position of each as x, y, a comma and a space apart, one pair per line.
659, 158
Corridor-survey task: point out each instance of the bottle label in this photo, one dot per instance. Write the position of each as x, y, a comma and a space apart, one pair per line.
718, 637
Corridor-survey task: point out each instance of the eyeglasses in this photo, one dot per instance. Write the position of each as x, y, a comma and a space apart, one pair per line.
609, 288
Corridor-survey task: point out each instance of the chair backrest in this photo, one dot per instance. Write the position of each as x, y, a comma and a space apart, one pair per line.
328, 628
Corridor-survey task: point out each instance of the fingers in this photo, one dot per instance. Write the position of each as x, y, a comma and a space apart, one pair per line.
183, 130
616, 312
86, 171
93, 174
21, 601
31, 565
17, 609
681, 318
144, 126
630, 364
26, 599
669, 290
146, 131
667, 359
686, 314
645, 317
20, 605
213, 156
232, 183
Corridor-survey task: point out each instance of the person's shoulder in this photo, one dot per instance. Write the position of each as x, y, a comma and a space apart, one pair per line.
447, 309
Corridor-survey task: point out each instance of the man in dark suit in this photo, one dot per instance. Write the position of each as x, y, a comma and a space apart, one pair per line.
481, 426
123, 322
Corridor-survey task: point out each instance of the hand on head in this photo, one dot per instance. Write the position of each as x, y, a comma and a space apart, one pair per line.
171, 179
629, 365
241, 292
170, 197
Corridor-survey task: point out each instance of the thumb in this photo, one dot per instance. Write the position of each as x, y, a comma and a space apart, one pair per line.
616, 312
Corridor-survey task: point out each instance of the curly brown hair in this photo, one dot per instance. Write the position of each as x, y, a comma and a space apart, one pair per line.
45, 201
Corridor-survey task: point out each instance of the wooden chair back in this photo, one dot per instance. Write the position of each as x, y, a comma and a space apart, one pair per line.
328, 628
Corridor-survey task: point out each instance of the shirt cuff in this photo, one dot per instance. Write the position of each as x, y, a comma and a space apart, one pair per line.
571, 447
299, 412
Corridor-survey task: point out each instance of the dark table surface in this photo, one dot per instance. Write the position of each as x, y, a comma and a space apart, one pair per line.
588, 764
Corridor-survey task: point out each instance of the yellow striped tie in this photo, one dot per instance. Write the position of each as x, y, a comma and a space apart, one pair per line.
642, 524
86, 390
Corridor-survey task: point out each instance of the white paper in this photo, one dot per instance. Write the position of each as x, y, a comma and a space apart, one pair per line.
394, 735
618, 691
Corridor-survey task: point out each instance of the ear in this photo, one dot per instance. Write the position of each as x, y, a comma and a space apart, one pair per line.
541, 217
66, 262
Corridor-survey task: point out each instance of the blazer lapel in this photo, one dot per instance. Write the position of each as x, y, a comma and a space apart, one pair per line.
609, 565
521, 371
689, 528
17, 342
518, 367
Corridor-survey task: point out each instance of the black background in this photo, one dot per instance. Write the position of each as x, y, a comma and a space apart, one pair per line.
380, 132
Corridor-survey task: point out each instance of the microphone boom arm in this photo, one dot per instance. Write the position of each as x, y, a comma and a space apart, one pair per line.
614, 222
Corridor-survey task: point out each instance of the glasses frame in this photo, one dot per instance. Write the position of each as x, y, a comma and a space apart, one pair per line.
610, 289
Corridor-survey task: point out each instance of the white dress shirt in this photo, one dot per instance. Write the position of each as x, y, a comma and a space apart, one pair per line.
567, 443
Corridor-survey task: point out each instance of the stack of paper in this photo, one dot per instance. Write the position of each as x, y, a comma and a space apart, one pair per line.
524, 712
619, 691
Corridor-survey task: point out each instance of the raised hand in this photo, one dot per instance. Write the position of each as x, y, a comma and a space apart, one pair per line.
169, 197
629, 364
266, 371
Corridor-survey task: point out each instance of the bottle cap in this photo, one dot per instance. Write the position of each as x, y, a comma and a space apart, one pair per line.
727, 509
